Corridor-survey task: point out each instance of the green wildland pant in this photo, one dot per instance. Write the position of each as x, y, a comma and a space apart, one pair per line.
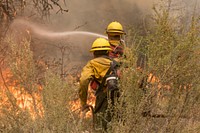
101, 111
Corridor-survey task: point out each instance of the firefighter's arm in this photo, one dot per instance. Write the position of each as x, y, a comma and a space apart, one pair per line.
83, 92
86, 76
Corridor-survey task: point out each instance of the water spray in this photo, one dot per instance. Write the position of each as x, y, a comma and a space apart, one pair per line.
47, 33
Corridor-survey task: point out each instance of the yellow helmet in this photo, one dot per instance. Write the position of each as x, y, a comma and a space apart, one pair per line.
115, 27
100, 44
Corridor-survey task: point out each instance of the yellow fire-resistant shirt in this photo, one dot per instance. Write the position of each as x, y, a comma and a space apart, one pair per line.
97, 68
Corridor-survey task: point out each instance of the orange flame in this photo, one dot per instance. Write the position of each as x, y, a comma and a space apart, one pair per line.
26, 101
22, 99
75, 105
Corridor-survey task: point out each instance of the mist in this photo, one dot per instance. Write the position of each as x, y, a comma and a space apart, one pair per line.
89, 16
95, 15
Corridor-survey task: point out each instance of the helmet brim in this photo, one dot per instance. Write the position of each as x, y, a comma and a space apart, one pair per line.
98, 49
114, 32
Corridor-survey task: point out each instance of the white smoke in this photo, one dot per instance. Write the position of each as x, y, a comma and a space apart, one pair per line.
95, 15
91, 16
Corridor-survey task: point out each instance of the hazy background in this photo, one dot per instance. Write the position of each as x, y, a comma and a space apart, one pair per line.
92, 16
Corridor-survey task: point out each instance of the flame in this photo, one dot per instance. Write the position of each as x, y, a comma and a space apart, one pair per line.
32, 102
152, 78
75, 105
22, 98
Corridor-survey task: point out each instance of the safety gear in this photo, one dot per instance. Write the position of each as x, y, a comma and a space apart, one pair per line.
101, 66
117, 51
100, 44
115, 27
112, 76
99, 69
110, 81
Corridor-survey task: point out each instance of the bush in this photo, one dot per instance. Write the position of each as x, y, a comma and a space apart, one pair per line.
169, 100
159, 93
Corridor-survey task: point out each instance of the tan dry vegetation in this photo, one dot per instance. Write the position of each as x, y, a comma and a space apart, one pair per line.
167, 101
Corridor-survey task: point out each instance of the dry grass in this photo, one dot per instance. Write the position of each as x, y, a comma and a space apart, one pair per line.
167, 102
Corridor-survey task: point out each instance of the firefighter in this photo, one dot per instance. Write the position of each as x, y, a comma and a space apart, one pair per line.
96, 70
116, 34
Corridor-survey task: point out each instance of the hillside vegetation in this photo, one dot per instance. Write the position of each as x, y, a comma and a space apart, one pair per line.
160, 83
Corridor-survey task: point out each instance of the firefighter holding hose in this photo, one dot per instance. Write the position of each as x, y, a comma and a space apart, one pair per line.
115, 35
102, 70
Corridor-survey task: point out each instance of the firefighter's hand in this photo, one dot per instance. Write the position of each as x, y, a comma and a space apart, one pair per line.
85, 108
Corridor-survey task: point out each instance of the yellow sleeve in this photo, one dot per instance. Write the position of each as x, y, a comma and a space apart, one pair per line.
86, 75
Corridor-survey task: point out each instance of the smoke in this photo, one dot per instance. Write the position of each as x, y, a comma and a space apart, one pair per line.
89, 16
51, 37
86, 15
95, 15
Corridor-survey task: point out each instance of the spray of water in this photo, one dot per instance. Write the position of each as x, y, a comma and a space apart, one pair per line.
47, 33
